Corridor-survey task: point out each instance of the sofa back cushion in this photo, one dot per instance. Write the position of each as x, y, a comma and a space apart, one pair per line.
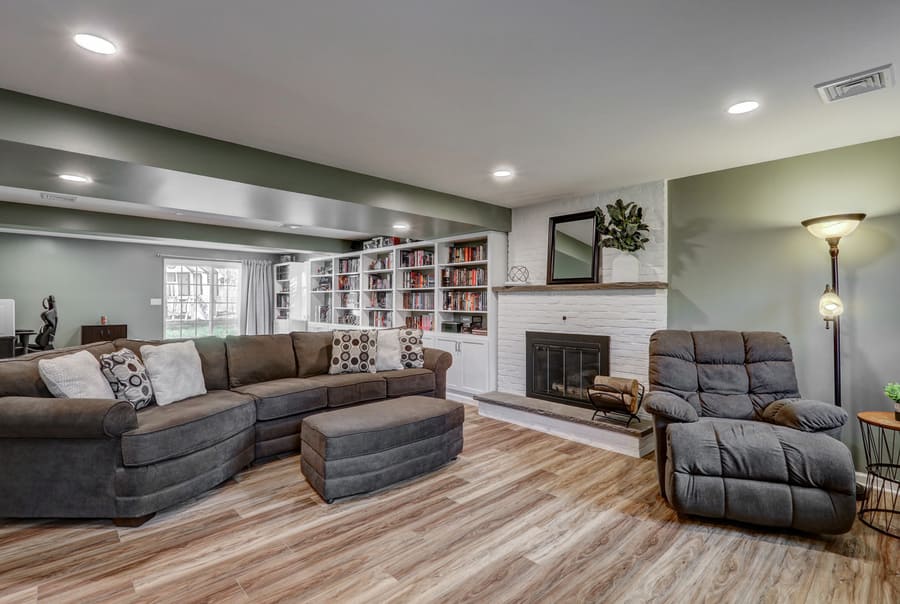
20, 376
211, 349
727, 374
254, 359
313, 351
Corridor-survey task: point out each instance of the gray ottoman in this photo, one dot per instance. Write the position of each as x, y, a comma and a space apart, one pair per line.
366, 448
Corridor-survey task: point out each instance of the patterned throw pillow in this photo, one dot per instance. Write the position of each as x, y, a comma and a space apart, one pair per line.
412, 354
353, 351
127, 377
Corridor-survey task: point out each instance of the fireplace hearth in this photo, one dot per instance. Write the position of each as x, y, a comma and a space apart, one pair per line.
561, 367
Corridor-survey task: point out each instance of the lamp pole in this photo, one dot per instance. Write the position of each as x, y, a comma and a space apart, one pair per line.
833, 250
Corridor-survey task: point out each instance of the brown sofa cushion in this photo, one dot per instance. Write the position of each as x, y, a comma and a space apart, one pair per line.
187, 426
282, 398
350, 388
402, 382
313, 351
20, 377
254, 359
212, 357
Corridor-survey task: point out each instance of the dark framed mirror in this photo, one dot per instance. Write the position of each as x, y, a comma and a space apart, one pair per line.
572, 252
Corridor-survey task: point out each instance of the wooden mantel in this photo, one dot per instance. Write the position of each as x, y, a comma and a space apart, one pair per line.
512, 289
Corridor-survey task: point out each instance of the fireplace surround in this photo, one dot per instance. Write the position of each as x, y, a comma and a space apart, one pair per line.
561, 367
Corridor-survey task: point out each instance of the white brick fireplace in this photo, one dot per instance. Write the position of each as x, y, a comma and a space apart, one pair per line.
628, 316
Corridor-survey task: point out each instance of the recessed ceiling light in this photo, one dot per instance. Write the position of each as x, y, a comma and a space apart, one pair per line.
75, 178
179, 213
503, 173
743, 107
401, 227
293, 227
96, 44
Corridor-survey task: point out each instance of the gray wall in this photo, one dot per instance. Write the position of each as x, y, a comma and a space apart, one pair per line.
739, 259
89, 279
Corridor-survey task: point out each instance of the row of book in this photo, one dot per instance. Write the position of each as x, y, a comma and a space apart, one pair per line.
423, 322
348, 300
348, 265
465, 301
379, 300
380, 281
418, 301
411, 258
461, 277
417, 280
346, 282
381, 263
380, 318
468, 253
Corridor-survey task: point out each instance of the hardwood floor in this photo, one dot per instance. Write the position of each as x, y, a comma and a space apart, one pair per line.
520, 517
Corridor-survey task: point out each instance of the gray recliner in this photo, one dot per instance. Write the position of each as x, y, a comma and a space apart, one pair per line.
735, 440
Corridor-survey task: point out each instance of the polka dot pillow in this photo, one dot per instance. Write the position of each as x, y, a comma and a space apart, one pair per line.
127, 377
412, 354
353, 351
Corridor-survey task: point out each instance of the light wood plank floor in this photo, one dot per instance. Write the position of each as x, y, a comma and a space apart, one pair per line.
520, 517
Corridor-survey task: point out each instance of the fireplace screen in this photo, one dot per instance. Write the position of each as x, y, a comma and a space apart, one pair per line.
561, 367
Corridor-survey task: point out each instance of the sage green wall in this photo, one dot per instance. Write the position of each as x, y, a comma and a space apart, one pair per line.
89, 279
739, 259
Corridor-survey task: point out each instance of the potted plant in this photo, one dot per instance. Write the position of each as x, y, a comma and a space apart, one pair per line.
622, 228
892, 391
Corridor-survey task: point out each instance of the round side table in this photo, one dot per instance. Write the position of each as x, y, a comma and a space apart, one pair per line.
881, 441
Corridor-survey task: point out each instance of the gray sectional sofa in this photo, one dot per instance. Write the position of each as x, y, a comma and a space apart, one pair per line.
68, 458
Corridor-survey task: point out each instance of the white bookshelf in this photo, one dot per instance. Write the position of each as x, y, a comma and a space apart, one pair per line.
435, 285
291, 296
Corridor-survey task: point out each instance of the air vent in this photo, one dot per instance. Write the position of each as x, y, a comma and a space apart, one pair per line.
58, 197
856, 84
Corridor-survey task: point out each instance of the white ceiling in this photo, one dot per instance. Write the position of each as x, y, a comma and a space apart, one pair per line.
578, 96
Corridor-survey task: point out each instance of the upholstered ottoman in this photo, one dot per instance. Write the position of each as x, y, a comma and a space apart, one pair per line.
362, 449
761, 474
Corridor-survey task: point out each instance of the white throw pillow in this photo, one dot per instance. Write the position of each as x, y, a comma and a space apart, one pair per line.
175, 371
387, 356
75, 376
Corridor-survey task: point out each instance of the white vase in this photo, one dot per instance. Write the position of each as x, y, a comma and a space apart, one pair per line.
625, 268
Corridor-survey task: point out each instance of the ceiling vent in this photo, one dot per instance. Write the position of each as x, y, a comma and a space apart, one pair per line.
856, 84
58, 197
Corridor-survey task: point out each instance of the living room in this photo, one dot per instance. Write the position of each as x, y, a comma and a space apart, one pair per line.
420, 302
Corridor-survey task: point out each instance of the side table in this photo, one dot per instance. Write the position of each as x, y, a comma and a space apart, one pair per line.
881, 441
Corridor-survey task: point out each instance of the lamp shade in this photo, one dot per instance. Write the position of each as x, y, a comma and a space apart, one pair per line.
830, 304
833, 227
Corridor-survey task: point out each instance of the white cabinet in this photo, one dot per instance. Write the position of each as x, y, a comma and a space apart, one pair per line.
471, 368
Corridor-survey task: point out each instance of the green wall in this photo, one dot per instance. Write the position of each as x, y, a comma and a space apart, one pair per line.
89, 279
739, 259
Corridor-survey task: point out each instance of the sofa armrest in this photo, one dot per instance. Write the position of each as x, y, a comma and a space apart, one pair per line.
27, 417
439, 362
805, 415
671, 407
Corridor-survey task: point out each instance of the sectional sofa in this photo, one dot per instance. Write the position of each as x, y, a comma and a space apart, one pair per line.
86, 458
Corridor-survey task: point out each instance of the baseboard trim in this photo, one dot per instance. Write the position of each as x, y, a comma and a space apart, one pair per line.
862, 478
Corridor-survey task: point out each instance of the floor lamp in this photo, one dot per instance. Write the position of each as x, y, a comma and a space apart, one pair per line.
831, 229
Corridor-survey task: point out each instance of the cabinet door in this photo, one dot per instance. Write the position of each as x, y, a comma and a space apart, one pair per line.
455, 373
475, 364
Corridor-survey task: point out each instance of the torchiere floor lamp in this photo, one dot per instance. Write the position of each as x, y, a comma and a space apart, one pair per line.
831, 229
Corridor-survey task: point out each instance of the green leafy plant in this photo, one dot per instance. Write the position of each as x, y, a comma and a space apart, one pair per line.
622, 227
892, 391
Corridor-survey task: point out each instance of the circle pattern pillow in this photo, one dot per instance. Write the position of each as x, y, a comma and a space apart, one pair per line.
412, 352
127, 377
353, 351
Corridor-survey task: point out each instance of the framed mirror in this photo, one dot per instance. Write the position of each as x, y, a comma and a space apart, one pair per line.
572, 252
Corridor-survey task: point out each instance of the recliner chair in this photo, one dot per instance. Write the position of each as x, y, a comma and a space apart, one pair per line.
735, 440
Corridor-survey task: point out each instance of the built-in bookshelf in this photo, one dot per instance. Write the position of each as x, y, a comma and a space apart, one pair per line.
443, 287
291, 285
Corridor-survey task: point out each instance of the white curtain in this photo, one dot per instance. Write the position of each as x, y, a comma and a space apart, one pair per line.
257, 297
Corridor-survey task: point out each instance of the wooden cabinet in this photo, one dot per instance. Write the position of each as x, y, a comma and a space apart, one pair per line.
102, 333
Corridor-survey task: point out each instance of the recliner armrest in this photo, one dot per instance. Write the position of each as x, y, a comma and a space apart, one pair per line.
32, 417
805, 415
670, 406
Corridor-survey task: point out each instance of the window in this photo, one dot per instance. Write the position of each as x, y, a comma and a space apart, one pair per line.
202, 298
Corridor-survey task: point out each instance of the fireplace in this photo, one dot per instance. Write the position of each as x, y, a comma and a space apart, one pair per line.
561, 367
